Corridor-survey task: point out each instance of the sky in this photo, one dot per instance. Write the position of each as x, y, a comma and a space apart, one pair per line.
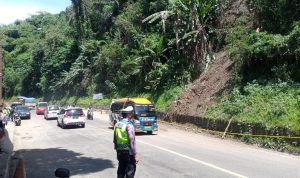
12, 10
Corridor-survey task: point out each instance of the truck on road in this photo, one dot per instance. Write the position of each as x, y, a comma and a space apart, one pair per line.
30, 102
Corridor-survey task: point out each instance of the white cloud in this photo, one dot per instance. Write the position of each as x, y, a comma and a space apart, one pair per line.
9, 14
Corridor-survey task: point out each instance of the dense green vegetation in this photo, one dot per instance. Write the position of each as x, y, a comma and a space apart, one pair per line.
266, 73
266, 66
271, 105
119, 48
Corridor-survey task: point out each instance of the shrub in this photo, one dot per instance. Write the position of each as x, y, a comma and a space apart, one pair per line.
272, 105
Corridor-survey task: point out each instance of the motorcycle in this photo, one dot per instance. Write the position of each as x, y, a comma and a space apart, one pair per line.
90, 114
17, 119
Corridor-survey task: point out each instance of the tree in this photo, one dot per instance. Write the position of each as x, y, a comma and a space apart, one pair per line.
30, 82
191, 21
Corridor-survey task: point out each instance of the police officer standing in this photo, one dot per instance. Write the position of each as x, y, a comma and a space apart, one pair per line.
125, 144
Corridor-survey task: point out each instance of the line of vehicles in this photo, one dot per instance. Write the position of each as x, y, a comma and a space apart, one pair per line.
145, 117
65, 116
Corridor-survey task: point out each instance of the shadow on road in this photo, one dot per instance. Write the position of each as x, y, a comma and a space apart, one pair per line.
70, 127
144, 134
41, 163
51, 119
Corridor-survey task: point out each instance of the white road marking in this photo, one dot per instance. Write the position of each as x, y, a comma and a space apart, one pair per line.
192, 159
202, 162
195, 160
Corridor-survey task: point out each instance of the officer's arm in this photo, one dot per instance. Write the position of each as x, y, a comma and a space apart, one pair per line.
131, 137
114, 140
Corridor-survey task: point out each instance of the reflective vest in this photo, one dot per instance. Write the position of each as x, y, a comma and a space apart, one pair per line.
121, 136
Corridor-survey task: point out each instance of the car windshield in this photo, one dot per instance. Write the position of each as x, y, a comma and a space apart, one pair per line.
144, 109
16, 104
74, 112
30, 100
53, 108
22, 108
43, 104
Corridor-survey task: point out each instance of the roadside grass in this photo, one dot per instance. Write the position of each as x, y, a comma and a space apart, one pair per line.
82, 101
163, 101
271, 105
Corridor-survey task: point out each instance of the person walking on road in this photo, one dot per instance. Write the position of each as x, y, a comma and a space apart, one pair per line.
125, 144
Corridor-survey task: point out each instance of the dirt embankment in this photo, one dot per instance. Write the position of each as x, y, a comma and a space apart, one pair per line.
201, 93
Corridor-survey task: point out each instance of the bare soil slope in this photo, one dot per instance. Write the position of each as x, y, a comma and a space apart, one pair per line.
201, 93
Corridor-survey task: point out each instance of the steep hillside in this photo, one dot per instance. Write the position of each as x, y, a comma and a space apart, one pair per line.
119, 48
257, 84
202, 93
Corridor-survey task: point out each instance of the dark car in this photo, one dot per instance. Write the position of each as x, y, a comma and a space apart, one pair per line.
13, 107
23, 112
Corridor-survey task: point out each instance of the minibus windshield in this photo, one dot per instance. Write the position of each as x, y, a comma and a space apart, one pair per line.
144, 109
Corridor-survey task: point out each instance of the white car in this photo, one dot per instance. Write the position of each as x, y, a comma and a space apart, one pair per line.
51, 112
73, 116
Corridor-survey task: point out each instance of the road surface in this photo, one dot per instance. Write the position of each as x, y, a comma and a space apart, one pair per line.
88, 152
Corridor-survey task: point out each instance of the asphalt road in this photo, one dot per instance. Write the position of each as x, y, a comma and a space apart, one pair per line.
88, 152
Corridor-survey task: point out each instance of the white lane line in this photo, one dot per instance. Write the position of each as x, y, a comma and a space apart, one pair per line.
195, 160
190, 158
